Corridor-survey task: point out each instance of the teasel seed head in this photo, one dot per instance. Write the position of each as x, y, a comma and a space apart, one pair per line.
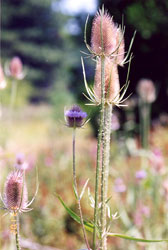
108, 34
16, 68
112, 86
15, 195
75, 117
146, 90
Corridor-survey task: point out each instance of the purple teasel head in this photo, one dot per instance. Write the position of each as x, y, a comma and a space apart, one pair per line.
75, 117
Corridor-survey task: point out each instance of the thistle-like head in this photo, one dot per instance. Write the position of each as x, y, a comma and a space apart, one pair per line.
75, 117
16, 68
21, 164
104, 31
15, 194
146, 90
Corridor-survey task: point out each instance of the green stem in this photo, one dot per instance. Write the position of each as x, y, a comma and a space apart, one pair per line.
98, 162
145, 110
105, 172
17, 234
76, 190
13, 96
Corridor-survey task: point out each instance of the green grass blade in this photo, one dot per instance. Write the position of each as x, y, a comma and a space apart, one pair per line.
126, 237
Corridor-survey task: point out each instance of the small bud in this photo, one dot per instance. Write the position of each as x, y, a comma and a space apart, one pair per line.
108, 34
16, 68
74, 117
112, 86
15, 196
146, 90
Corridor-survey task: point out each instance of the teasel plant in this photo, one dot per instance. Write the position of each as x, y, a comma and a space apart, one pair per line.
15, 70
15, 200
107, 48
76, 118
147, 95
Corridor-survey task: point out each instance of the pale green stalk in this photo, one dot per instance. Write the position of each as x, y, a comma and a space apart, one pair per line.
17, 234
105, 172
99, 154
145, 110
76, 191
13, 96
13, 93
99, 142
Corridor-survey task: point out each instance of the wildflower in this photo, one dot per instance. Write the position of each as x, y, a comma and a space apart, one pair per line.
140, 175
2, 79
15, 196
16, 68
146, 90
21, 164
74, 117
141, 212
15, 193
105, 41
119, 187
157, 161
112, 85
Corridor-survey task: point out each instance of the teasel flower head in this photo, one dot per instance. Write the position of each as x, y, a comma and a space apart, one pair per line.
14, 68
2, 79
75, 117
104, 34
15, 196
20, 163
146, 90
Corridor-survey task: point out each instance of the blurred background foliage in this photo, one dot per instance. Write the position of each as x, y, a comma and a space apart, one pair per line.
48, 37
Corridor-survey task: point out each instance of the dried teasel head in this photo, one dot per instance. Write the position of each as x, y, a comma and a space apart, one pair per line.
15, 194
112, 86
146, 90
104, 34
16, 68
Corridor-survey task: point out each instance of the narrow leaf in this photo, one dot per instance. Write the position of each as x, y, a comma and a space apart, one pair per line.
89, 226
126, 237
75, 192
83, 189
